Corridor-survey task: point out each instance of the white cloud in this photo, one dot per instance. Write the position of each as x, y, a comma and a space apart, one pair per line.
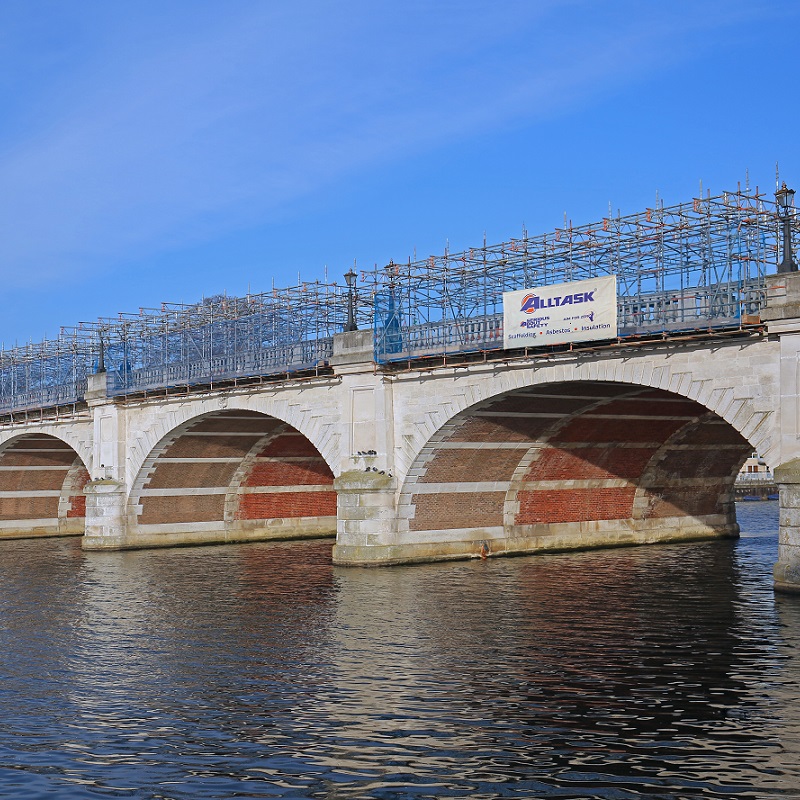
159, 138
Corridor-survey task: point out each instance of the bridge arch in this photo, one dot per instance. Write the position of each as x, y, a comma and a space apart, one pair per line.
42, 477
569, 464
77, 435
232, 475
157, 420
747, 399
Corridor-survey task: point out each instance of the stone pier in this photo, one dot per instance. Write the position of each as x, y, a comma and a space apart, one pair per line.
787, 569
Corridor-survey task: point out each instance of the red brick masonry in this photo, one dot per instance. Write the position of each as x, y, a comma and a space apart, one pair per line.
597, 452
39, 463
234, 454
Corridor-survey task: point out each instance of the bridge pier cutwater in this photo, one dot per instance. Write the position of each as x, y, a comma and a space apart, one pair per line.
631, 444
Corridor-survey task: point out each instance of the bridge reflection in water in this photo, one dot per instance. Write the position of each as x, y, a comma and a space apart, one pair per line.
262, 670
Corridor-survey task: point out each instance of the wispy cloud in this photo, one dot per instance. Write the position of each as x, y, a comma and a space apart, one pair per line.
164, 133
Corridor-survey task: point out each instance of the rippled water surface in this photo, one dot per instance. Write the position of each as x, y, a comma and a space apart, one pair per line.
262, 671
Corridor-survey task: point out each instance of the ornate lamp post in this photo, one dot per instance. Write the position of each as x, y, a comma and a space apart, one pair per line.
783, 202
350, 277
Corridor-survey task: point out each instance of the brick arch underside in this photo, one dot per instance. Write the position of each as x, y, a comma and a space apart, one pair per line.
576, 464
237, 473
41, 488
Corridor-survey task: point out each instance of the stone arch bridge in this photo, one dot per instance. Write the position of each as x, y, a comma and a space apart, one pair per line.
612, 446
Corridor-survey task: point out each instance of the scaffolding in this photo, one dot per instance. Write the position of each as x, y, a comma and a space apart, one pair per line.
697, 265
281, 332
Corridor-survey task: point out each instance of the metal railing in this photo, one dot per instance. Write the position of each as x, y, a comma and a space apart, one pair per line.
280, 360
754, 479
659, 312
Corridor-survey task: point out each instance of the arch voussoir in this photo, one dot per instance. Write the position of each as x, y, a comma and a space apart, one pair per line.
717, 390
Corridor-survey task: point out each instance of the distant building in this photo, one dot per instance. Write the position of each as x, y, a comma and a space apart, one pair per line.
755, 465
755, 480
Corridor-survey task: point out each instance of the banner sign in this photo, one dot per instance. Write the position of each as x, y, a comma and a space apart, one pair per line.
567, 312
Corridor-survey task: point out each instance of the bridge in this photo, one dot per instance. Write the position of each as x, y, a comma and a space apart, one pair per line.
418, 436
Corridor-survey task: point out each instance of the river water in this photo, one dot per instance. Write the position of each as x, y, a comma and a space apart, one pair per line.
262, 671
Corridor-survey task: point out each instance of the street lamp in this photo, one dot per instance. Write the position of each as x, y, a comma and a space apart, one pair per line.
783, 201
350, 277
101, 357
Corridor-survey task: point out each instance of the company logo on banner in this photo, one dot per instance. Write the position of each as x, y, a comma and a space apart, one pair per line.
567, 312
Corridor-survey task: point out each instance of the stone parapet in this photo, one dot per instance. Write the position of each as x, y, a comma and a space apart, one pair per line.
352, 348
783, 299
96, 389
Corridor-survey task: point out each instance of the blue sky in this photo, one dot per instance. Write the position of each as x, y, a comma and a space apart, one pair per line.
156, 151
